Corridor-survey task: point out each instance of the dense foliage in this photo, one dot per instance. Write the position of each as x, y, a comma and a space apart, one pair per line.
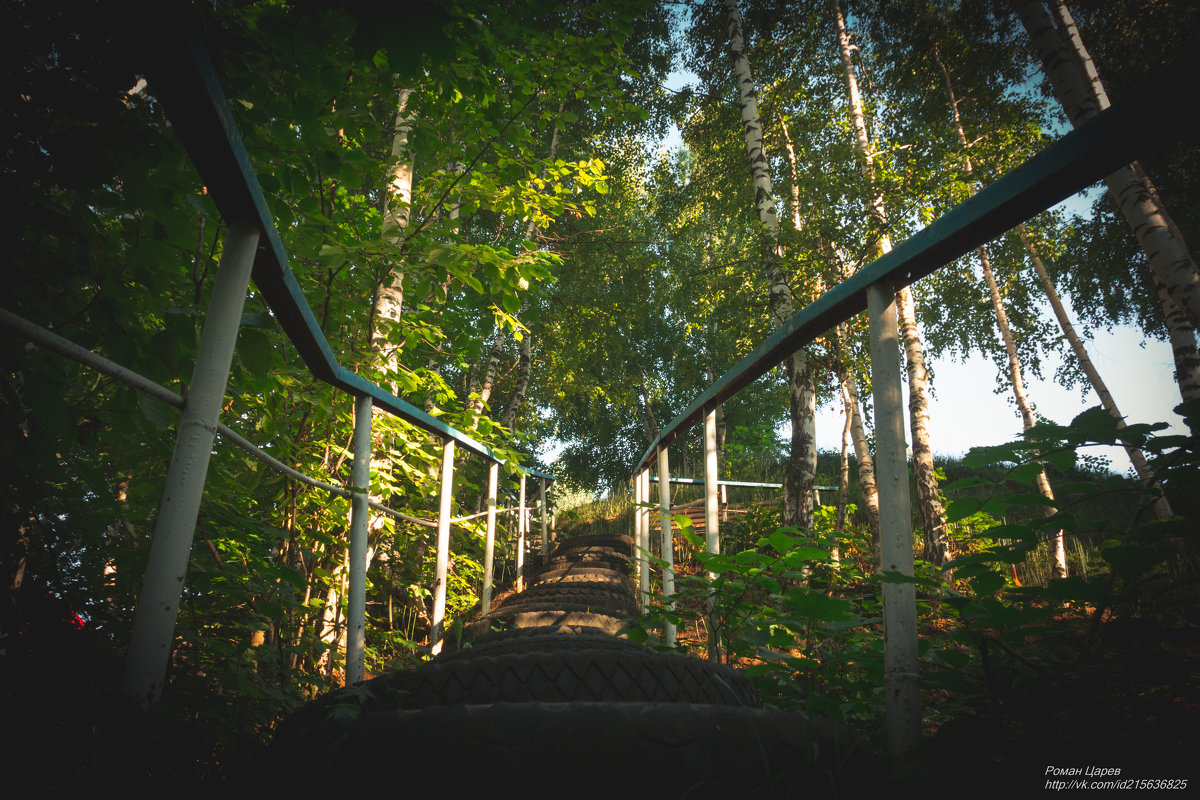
568, 285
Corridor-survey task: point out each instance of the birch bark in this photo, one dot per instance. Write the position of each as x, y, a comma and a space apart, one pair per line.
1015, 373
933, 516
1161, 507
386, 313
802, 463
862, 451
1081, 93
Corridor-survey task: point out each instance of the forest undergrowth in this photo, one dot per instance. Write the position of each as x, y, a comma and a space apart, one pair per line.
1018, 673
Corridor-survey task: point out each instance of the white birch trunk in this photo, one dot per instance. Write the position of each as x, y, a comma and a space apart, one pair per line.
1015, 373
862, 451
933, 516
1081, 93
387, 312
802, 463
1161, 507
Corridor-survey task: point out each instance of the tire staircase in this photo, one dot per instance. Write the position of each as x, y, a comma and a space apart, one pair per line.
540, 693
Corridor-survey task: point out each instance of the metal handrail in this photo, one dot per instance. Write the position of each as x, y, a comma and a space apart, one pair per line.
750, 484
185, 81
1109, 140
65, 347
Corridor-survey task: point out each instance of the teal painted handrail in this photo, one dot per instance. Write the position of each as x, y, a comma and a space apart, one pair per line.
184, 79
1113, 138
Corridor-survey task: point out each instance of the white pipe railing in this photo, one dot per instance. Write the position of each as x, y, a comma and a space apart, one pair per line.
355, 645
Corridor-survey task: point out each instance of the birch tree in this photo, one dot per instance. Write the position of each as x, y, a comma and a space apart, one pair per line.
1161, 506
802, 463
1079, 90
1015, 374
933, 516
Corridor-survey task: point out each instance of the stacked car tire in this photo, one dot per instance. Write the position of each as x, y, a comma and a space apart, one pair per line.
541, 689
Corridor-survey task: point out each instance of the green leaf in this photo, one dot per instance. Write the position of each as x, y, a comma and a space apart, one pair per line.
258, 319
987, 583
962, 508
813, 604
781, 541
1026, 473
1061, 460
1131, 561
799, 555
1095, 425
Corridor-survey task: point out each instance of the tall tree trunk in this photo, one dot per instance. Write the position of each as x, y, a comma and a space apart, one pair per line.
933, 516
858, 437
1161, 507
801, 468
386, 313
484, 390
389, 298
1058, 551
1081, 93
839, 524
1015, 374
524, 369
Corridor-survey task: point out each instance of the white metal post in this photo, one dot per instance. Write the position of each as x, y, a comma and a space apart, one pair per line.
521, 537
712, 539
158, 601
901, 671
490, 545
360, 515
643, 512
443, 547
668, 541
637, 530
545, 523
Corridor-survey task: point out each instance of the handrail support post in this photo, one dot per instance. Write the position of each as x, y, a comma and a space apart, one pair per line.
901, 671
522, 524
490, 544
712, 539
162, 588
443, 548
360, 515
668, 542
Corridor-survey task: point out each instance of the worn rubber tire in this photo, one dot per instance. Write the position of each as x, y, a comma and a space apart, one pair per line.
560, 604
618, 580
589, 593
586, 749
542, 619
614, 540
607, 674
554, 574
589, 556
545, 639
